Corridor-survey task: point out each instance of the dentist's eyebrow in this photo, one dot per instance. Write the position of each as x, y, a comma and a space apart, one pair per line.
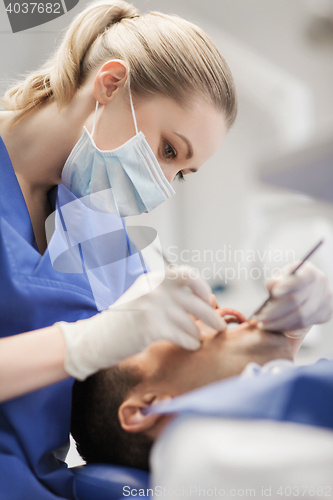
190, 149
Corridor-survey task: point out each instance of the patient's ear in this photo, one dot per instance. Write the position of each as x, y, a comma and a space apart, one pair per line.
130, 414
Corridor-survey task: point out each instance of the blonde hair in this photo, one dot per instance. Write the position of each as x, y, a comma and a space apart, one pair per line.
166, 54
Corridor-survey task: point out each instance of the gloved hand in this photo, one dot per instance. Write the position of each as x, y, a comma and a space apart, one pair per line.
300, 301
128, 328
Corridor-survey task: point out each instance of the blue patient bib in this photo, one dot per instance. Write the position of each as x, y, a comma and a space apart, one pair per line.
34, 429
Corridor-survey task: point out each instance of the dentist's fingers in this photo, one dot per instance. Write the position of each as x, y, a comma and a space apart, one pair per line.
139, 318
187, 276
305, 315
299, 301
285, 323
181, 338
288, 283
182, 321
194, 305
281, 307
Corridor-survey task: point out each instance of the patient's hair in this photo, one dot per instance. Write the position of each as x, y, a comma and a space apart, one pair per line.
95, 425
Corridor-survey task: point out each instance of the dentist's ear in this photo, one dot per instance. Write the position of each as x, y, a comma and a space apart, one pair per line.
112, 75
132, 418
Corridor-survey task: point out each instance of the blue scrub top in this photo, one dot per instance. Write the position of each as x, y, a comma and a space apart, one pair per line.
34, 429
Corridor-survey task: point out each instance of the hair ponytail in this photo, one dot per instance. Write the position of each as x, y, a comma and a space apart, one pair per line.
167, 55
61, 75
83, 32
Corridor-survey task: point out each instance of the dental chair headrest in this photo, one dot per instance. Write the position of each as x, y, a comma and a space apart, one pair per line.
107, 482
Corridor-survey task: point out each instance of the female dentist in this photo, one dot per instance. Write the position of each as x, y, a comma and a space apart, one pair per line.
78, 124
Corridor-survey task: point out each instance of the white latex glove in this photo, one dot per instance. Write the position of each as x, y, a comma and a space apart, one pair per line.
300, 301
128, 328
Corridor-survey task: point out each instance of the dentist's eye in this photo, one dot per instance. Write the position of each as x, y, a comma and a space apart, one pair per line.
169, 153
180, 176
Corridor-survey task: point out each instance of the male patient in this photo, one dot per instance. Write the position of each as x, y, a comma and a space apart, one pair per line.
110, 422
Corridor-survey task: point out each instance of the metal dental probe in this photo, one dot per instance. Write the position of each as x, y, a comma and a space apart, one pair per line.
293, 272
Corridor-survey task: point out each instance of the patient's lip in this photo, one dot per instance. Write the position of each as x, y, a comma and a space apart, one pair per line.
236, 316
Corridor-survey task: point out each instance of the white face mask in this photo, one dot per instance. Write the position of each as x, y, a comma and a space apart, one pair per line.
127, 180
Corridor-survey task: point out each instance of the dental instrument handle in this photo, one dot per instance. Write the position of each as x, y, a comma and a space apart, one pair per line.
308, 255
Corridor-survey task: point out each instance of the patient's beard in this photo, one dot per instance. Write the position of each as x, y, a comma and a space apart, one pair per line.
274, 345
255, 346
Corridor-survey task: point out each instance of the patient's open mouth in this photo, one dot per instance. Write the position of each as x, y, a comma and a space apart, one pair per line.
231, 319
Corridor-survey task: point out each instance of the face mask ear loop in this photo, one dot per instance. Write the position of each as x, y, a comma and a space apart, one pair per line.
132, 108
93, 129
